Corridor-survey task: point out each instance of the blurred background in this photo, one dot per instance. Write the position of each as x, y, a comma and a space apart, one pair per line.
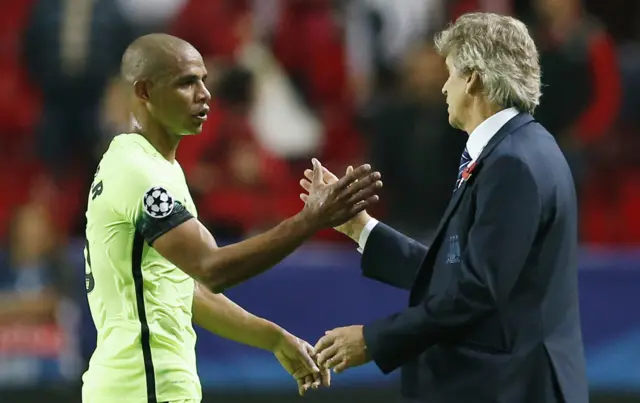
345, 81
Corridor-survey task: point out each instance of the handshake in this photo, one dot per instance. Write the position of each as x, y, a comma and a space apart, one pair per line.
311, 367
341, 204
338, 203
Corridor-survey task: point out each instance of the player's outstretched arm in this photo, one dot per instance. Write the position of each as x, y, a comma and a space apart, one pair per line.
192, 248
218, 314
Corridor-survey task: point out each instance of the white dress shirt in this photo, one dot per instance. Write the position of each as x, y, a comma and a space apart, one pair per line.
477, 141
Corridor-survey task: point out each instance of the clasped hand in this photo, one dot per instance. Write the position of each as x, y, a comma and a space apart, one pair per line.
342, 348
298, 358
339, 349
331, 202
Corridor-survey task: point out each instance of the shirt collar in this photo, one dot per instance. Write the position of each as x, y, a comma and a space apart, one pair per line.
479, 138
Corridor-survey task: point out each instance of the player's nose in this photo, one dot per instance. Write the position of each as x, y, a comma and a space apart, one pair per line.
202, 94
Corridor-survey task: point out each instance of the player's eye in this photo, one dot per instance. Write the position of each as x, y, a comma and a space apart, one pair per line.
187, 81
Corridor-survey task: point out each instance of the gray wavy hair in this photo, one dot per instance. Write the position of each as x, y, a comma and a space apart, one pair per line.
501, 51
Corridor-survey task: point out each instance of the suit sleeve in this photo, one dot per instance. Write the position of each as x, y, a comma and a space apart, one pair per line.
391, 257
507, 217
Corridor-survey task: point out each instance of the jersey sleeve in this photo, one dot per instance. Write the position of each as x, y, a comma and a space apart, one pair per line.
151, 203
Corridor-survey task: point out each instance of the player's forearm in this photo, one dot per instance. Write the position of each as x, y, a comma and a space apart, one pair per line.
218, 314
233, 264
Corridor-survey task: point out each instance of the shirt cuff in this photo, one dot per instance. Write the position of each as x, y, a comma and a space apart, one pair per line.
364, 235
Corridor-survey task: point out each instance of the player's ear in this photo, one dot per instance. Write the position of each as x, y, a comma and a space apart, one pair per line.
141, 89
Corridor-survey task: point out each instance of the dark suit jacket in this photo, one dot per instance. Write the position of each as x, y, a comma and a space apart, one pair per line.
493, 313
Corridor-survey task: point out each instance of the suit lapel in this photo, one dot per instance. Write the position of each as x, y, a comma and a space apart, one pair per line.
515, 123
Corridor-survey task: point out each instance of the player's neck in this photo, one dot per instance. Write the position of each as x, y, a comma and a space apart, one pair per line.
164, 142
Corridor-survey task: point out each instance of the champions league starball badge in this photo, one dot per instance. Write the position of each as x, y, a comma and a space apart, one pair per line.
158, 202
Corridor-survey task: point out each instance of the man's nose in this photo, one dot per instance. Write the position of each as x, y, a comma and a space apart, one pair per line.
203, 94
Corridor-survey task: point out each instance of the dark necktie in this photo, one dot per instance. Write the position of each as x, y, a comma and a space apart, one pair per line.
465, 159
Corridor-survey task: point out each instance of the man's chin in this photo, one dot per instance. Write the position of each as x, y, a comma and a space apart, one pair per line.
191, 131
452, 121
455, 123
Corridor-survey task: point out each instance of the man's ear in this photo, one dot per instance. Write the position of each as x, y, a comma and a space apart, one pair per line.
142, 88
474, 85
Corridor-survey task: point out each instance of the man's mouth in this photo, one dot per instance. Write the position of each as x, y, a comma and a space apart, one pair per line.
202, 115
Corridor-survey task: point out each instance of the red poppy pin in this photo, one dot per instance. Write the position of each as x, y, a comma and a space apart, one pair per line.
466, 174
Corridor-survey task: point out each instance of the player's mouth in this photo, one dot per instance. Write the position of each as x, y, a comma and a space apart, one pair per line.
202, 115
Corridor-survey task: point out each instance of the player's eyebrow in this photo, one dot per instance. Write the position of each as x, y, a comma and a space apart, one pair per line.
190, 78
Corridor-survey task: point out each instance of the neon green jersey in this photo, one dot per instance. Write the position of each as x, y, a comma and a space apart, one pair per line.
140, 302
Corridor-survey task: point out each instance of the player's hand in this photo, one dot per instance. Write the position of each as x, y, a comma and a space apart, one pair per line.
297, 357
354, 226
331, 204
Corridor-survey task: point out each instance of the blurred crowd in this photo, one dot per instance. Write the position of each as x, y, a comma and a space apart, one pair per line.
344, 81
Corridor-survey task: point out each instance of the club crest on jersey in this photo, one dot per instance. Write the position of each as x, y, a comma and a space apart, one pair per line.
158, 202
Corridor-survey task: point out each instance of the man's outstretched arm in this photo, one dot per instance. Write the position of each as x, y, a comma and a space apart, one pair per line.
192, 248
219, 315
388, 256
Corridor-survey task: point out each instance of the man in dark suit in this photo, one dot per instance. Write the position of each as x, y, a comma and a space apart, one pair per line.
493, 312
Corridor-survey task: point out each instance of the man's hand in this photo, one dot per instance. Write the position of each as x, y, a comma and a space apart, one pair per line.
333, 204
342, 348
219, 315
295, 356
355, 225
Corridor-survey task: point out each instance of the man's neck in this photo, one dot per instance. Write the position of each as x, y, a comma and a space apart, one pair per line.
479, 113
165, 143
